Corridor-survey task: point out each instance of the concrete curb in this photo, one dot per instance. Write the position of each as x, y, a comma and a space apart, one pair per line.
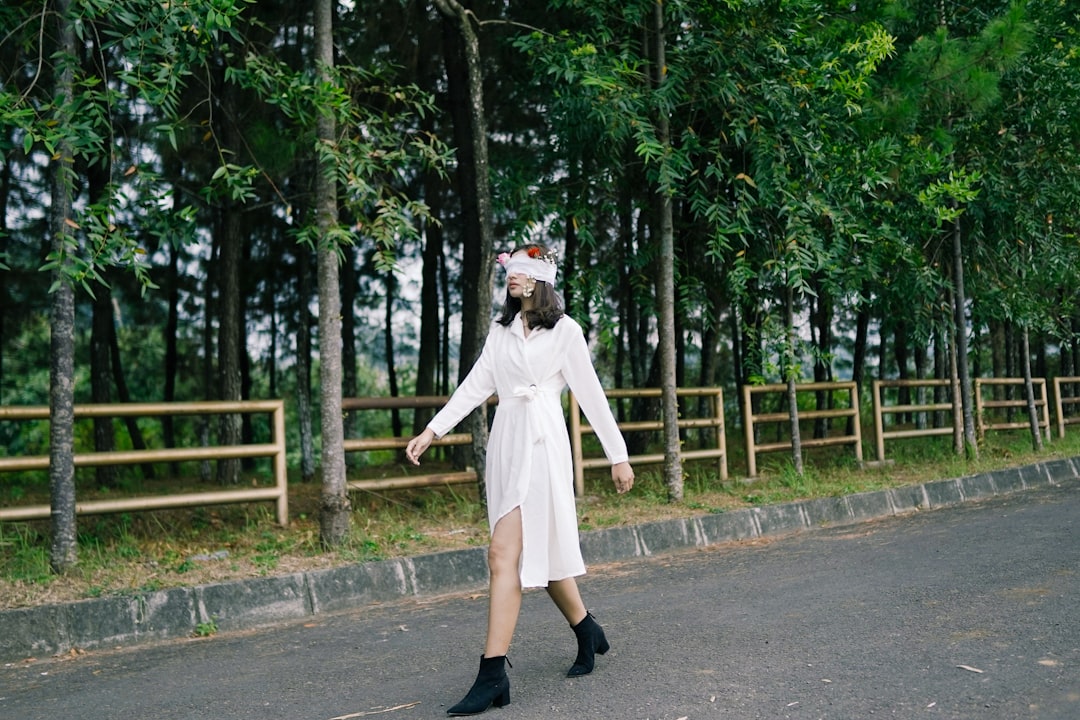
245, 604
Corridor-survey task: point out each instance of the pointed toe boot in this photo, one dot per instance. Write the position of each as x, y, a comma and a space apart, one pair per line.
492, 687
591, 642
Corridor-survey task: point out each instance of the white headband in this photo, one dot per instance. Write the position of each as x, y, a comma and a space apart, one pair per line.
533, 267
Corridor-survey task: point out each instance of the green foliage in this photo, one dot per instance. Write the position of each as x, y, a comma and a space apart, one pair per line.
378, 141
157, 48
760, 101
26, 554
822, 148
206, 629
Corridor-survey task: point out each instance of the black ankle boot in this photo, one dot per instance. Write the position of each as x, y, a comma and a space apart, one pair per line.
492, 687
590, 642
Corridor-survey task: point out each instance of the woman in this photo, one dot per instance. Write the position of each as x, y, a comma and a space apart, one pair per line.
532, 352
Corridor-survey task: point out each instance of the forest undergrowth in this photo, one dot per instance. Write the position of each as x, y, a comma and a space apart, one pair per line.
136, 552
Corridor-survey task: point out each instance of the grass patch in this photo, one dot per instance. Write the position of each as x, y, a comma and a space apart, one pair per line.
132, 553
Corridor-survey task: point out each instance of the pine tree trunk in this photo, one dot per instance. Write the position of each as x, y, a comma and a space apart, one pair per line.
919, 352
101, 326
209, 308
710, 337
101, 380
665, 289
858, 362
447, 311
960, 316
791, 376
1029, 391
229, 330
465, 78
427, 361
304, 404
941, 372
171, 351
230, 314
957, 399
639, 326
335, 512
391, 362
823, 319
124, 395
900, 354
5, 195
63, 552
349, 387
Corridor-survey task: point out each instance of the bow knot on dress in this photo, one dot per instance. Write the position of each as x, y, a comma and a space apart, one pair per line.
529, 393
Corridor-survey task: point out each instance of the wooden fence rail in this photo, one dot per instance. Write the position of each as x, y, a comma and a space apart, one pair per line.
1061, 402
274, 449
396, 443
982, 405
576, 429
715, 421
752, 420
881, 409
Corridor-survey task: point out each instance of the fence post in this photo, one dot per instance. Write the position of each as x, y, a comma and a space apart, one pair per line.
856, 403
1058, 408
748, 427
1045, 402
879, 425
721, 432
281, 472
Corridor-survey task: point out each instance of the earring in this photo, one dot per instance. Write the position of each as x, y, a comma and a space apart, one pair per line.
530, 286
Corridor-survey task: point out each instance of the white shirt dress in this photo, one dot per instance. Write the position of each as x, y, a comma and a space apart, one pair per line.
529, 464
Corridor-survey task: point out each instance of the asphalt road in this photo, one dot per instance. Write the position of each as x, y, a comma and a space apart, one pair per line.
966, 612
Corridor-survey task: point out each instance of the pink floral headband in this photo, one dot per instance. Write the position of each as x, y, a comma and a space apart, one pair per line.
538, 265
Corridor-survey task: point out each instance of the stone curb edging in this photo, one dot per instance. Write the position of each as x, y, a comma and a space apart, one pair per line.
244, 604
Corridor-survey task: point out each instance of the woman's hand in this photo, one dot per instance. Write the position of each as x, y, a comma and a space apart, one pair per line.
418, 445
623, 477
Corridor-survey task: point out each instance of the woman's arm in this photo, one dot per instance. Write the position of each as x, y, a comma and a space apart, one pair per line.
473, 391
581, 376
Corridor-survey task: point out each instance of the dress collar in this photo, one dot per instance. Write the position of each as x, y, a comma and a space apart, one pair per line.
517, 327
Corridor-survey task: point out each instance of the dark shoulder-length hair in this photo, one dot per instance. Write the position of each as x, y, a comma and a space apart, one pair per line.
547, 303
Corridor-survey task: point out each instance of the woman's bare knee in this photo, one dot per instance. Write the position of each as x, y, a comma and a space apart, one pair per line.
504, 552
502, 558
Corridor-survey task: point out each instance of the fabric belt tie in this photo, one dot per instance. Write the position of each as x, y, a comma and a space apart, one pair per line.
530, 393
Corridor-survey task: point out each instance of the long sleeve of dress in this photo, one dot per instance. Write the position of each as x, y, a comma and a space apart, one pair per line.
474, 390
583, 382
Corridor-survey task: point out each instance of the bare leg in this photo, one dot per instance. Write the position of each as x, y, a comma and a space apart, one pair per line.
504, 598
567, 599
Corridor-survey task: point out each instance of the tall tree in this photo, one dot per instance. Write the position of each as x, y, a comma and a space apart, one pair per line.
231, 238
938, 96
466, 86
63, 554
303, 364
427, 363
665, 290
334, 507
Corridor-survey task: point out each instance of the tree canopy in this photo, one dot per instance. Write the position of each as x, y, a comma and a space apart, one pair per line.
821, 189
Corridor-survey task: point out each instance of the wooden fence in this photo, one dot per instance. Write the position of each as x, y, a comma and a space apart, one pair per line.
274, 449
982, 405
396, 443
715, 420
752, 420
1061, 402
881, 409
576, 429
